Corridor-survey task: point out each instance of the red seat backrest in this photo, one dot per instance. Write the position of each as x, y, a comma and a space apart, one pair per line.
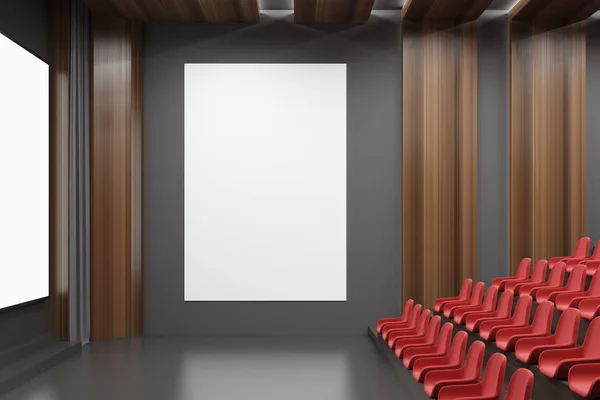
490, 299
457, 350
542, 320
590, 343
596, 253
520, 386
414, 315
523, 310
557, 275
582, 248
505, 304
474, 360
465, 289
594, 289
433, 329
539, 271
423, 322
568, 326
493, 377
408, 306
477, 295
577, 278
443, 342
523, 268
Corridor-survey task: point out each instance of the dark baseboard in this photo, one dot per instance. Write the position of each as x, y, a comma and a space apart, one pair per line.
24, 362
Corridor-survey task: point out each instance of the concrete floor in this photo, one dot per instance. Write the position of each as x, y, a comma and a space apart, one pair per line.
224, 368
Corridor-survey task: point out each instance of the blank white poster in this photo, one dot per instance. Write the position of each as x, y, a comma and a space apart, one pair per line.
24, 173
265, 182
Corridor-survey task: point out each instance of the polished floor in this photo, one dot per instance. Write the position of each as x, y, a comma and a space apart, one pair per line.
200, 368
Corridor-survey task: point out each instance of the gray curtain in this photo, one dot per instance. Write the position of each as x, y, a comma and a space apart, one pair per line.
79, 169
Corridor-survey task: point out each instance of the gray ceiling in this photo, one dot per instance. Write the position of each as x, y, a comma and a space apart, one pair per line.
379, 4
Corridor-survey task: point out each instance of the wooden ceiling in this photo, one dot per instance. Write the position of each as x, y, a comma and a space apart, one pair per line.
332, 11
456, 11
553, 13
233, 11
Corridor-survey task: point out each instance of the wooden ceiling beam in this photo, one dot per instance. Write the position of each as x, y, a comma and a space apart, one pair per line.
551, 14
449, 12
332, 11
210, 11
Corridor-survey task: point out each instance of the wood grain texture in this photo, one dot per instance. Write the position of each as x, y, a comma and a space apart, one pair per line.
332, 11
451, 11
115, 157
551, 14
547, 137
439, 168
467, 152
60, 65
211, 11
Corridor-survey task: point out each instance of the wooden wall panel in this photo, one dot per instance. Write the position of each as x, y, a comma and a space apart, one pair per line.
547, 136
412, 163
452, 12
60, 64
439, 160
115, 153
467, 152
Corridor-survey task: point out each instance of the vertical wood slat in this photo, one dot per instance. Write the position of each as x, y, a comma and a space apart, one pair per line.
439, 160
520, 164
115, 157
467, 153
59, 166
412, 207
547, 138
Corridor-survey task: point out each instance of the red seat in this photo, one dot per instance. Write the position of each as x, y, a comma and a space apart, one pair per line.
575, 284
592, 267
521, 275
582, 249
490, 387
566, 300
489, 304
475, 300
506, 338
520, 318
405, 313
538, 276
430, 337
555, 364
528, 350
463, 295
589, 308
474, 320
520, 386
594, 259
468, 373
584, 379
556, 279
410, 323
417, 331
453, 359
439, 348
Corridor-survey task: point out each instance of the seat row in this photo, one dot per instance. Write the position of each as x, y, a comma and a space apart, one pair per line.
438, 360
569, 295
557, 354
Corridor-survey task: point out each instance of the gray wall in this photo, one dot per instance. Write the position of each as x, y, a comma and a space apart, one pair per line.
24, 22
373, 55
593, 130
492, 192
